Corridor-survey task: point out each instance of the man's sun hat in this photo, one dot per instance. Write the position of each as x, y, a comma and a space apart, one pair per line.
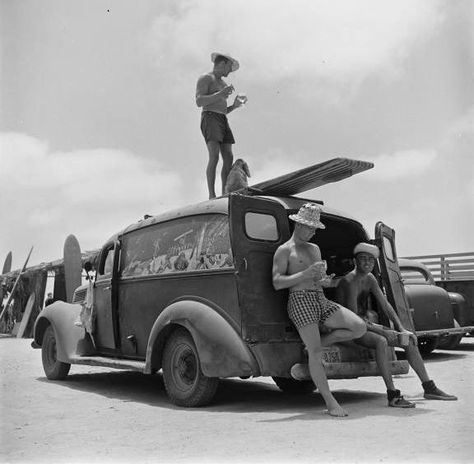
308, 215
235, 63
366, 248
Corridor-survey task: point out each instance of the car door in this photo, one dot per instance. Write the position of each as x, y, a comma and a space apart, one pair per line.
391, 275
106, 332
258, 226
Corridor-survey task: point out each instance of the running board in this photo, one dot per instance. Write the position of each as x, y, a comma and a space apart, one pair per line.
104, 361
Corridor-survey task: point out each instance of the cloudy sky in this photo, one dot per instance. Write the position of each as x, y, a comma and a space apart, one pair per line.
99, 124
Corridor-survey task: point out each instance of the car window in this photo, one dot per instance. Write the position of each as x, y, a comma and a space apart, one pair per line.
261, 226
182, 245
106, 265
388, 249
413, 276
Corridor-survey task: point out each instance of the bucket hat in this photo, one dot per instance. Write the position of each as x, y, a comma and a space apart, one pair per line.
235, 63
308, 215
366, 248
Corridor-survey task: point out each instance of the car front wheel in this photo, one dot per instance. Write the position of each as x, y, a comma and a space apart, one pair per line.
184, 381
54, 369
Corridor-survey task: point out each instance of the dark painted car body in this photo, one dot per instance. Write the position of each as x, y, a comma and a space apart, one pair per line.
439, 316
205, 271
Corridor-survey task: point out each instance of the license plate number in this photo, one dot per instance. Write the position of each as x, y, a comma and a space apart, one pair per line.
332, 356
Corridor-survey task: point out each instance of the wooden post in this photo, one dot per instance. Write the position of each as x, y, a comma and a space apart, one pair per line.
15, 284
26, 315
443, 268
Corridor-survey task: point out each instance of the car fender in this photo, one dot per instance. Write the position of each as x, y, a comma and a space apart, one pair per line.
433, 309
70, 339
222, 352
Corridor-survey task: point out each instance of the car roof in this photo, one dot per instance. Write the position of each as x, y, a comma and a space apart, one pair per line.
220, 205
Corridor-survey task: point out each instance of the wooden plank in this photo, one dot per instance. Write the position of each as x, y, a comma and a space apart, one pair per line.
72, 266
26, 316
312, 177
438, 256
456, 267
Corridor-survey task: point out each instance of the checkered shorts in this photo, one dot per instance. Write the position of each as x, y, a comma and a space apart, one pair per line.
309, 307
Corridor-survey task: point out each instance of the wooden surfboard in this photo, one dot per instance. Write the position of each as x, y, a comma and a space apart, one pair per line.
26, 316
7, 265
72, 266
312, 177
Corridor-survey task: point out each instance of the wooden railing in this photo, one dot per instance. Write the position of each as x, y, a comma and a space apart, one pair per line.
453, 266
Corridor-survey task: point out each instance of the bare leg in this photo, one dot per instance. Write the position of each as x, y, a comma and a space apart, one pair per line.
379, 343
345, 325
416, 361
213, 148
311, 338
227, 160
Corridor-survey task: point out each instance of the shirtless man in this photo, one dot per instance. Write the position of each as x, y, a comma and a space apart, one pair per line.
211, 94
353, 292
297, 266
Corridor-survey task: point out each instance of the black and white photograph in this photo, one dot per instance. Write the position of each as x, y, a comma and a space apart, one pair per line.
236, 231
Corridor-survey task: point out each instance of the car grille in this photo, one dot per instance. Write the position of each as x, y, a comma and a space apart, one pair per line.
79, 295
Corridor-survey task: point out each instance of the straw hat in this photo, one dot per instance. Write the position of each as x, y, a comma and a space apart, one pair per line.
308, 215
235, 63
367, 248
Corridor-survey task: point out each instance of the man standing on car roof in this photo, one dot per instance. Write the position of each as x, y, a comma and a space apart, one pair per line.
211, 95
297, 266
353, 292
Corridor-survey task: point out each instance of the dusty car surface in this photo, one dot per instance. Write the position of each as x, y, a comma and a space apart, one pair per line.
190, 292
437, 314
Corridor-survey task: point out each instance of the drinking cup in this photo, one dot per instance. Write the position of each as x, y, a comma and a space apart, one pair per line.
403, 338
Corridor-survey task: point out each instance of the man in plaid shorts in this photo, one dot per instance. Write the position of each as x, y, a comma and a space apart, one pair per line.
297, 266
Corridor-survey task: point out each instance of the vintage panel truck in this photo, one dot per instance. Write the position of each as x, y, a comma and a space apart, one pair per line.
190, 292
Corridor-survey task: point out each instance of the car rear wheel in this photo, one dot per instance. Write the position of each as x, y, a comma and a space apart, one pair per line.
298, 387
54, 369
184, 381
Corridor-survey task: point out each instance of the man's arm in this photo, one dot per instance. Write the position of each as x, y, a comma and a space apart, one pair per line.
237, 104
203, 97
384, 304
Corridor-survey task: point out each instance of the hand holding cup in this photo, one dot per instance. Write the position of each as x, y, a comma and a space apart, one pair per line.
226, 91
241, 99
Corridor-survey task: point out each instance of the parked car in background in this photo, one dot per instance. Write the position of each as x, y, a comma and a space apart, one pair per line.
441, 318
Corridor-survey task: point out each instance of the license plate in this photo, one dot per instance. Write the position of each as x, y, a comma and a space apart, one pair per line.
333, 356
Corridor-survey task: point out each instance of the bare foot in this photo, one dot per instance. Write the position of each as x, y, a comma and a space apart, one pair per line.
337, 411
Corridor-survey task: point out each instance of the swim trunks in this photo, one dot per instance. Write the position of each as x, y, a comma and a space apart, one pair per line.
309, 307
215, 127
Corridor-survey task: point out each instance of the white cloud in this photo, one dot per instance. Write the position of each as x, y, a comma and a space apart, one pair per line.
47, 195
325, 47
403, 164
